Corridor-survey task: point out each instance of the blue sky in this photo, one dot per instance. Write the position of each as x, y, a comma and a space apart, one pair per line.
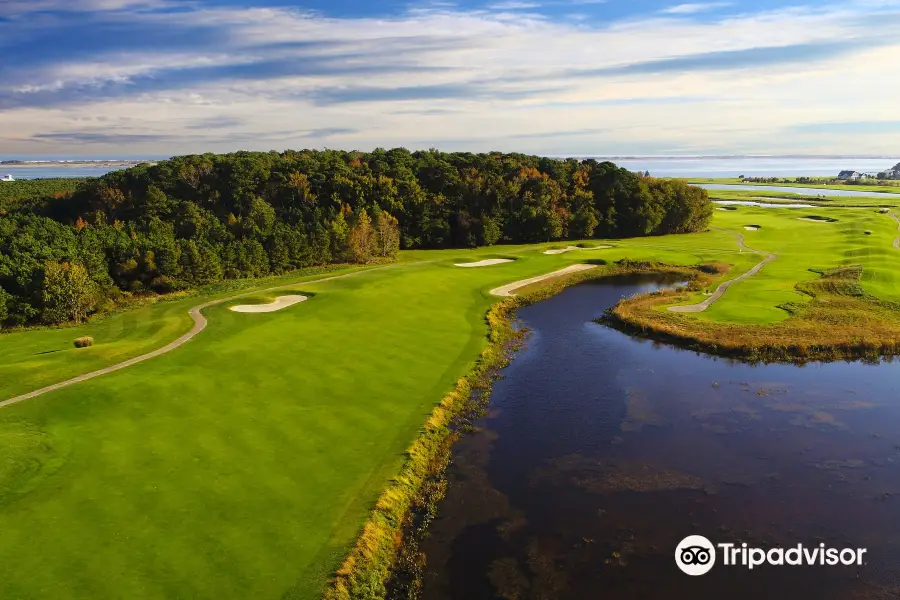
545, 76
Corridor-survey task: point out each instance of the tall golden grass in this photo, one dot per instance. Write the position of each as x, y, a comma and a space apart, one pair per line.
841, 321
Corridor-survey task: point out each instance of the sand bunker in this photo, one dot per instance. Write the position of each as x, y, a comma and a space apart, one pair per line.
279, 303
751, 227
570, 248
485, 263
506, 290
819, 220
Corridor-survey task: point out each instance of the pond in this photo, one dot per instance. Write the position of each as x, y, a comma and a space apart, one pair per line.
724, 187
599, 453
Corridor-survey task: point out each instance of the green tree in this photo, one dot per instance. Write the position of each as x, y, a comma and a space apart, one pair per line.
4, 300
68, 293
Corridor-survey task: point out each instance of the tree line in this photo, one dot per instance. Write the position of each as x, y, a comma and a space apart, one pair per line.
197, 219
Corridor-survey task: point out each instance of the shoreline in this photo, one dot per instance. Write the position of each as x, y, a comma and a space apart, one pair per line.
79, 164
819, 331
384, 557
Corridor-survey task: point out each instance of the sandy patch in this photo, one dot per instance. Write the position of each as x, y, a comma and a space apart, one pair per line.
751, 228
808, 220
570, 248
506, 290
485, 263
279, 303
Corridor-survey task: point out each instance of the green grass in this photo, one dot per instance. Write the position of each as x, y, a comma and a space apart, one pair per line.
243, 464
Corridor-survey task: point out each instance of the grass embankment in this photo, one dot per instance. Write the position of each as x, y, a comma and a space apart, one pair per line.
831, 293
404, 509
841, 321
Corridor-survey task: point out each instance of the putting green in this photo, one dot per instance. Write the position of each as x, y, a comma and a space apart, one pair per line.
242, 464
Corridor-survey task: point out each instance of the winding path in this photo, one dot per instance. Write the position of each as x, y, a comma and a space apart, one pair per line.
702, 306
199, 325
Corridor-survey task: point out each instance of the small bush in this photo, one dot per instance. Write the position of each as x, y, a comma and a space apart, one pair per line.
714, 268
84, 342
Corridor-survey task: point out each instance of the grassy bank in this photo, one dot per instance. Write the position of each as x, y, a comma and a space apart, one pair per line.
404, 508
841, 321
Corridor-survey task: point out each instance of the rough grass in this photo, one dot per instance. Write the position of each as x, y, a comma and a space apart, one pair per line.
841, 321
84, 342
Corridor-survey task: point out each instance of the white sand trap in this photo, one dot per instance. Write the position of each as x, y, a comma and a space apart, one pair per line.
808, 220
570, 248
485, 263
720, 208
279, 303
749, 228
506, 290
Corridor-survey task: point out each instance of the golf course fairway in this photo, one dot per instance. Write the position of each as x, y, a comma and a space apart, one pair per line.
244, 463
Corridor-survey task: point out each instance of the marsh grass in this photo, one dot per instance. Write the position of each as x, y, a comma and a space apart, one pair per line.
842, 321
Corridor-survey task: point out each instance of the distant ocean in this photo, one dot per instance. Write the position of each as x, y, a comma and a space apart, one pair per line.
754, 166
709, 167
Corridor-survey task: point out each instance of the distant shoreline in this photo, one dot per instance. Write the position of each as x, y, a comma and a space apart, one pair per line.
82, 164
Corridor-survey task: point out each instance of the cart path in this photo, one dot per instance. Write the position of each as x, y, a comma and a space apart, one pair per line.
720, 291
199, 325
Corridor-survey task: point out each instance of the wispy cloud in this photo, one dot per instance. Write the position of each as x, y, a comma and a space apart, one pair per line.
694, 8
513, 5
516, 74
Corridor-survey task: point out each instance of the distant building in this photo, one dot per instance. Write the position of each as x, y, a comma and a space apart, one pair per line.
7, 178
848, 175
890, 173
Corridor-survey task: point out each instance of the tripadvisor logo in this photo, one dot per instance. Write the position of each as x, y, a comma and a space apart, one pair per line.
696, 555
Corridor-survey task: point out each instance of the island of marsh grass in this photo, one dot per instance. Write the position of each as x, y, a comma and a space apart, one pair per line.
841, 321
245, 463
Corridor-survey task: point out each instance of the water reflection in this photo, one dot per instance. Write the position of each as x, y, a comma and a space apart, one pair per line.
601, 452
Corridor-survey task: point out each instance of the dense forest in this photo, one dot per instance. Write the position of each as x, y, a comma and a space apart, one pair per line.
197, 219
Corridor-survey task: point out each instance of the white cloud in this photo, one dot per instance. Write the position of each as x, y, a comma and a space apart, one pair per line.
483, 82
513, 5
693, 8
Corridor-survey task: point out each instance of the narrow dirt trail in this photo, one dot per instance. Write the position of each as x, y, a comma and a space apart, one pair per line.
200, 323
720, 291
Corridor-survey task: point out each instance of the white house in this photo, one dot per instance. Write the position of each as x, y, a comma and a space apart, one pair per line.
848, 175
7, 178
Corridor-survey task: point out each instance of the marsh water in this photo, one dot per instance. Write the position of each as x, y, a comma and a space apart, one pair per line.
599, 453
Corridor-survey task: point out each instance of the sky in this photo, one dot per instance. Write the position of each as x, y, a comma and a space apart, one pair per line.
552, 77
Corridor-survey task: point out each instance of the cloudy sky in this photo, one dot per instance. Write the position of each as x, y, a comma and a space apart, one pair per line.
608, 77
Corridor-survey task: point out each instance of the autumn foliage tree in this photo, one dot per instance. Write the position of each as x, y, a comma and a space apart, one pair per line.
198, 219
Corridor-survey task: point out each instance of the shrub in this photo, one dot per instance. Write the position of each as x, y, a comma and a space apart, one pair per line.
84, 342
714, 268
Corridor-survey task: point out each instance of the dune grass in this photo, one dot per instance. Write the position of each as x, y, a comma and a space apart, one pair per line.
243, 464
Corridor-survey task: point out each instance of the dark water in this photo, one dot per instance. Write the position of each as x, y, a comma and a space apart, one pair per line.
601, 452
